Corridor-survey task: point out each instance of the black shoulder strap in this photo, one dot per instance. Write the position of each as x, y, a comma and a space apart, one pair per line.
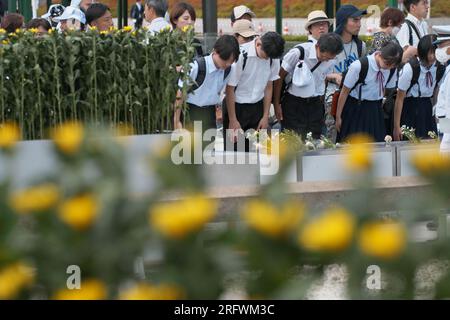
415, 66
362, 75
411, 27
201, 74
359, 46
391, 74
245, 57
226, 73
310, 41
301, 50
440, 71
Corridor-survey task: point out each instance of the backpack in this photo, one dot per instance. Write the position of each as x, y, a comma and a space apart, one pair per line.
411, 27
201, 74
361, 80
286, 85
415, 66
359, 46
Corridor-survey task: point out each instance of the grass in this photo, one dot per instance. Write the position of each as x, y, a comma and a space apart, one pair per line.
291, 8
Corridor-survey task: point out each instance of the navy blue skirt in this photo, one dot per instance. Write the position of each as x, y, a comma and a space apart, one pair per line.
367, 117
417, 113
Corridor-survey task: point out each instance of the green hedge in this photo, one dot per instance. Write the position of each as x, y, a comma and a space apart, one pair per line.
107, 78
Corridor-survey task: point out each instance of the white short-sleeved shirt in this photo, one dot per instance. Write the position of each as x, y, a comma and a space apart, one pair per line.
443, 101
403, 34
208, 94
292, 60
405, 78
312, 39
252, 81
372, 89
158, 24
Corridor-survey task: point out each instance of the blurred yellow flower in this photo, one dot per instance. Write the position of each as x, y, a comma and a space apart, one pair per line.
144, 291
5, 42
359, 153
104, 32
51, 31
13, 279
124, 130
127, 28
134, 33
384, 240
332, 231
91, 289
431, 162
33, 30
186, 28
269, 220
92, 28
179, 218
9, 135
68, 137
2, 31
35, 199
80, 211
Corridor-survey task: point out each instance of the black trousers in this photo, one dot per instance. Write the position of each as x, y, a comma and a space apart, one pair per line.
249, 115
207, 115
303, 115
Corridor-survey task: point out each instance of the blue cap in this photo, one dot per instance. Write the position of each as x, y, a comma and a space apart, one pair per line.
345, 12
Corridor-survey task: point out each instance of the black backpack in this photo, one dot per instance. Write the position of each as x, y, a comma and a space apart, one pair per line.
411, 27
362, 76
415, 66
201, 74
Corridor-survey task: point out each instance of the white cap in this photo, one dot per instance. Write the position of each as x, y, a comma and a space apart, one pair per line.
54, 11
72, 13
244, 28
75, 3
239, 11
443, 33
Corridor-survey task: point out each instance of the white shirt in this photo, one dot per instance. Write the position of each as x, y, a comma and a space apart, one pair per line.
158, 24
291, 61
312, 39
443, 101
405, 79
372, 89
252, 81
208, 93
403, 34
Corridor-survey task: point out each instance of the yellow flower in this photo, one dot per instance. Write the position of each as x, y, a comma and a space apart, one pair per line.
35, 199
9, 135
33, 30
13, 279
92, 28
68, 137
143, 291
180, 218
5, 42
431, 162
51, 31
384, 240
359, 154
332, 231
127, 28
79, 212
89, 290
104, 32
186, 28
134, 33
269, 220
2, 31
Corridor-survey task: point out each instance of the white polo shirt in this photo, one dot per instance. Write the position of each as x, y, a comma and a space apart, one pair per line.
252, 81
405, 78
158, 24
292, 60
372, 89
208, 93
403, 34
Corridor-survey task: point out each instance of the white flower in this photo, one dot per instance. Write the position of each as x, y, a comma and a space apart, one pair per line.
321, 145
432, 134
388, 139
309, 136
309, 145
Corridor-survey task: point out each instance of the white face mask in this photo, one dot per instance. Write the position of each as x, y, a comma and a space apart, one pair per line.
441, 55
395, 30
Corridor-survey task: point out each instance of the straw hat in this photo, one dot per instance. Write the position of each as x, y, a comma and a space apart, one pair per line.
317, 16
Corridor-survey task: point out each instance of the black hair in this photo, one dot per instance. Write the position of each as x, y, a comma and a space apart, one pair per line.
408, 3
330, 42
95, 11
392, 53
227, 46
425, 46
159, 6
272, 44
38, 22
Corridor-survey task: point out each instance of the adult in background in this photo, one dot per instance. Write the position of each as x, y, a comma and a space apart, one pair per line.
72, 19
183, 15
241, 12
317, 25
244, 31
154, 13
415, 26
99, 16
54, 12
41, 24
11, 22
137, 13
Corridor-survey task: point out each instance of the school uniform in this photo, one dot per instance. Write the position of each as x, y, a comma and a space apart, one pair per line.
417, 111
363, 112
203, 100
250, 77
406, 34
443, 108
303, 106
